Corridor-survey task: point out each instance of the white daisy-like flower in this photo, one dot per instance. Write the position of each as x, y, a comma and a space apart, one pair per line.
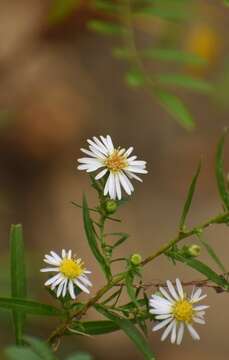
71, 273
114, 162
175, 311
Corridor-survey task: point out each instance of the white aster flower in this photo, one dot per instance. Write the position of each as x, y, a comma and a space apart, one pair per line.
114, 162
71, 273
175, 311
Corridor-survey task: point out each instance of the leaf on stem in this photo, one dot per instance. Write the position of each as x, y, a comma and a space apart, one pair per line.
129, 278
212, 254
223, 191
40, 348
18, 277
130, 330
29, 307
92, 241
189, 198
176, 108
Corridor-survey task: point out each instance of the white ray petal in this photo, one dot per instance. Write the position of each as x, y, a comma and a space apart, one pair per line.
179, 288
81, 286
180, 333
50, 269
71, 289
193, 332
174, 333
172, 290
161, 324
60, 288
167, 331
101, 174
52, 280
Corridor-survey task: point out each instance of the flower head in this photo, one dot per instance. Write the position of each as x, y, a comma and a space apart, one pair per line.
71, 273
114, 162
175, 311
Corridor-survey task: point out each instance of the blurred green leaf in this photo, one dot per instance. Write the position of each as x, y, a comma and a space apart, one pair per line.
212, 254
166, 9
106, 28
21, 353
89, 230
173, 55
189, 198
223, 191
185, 81
130, 330
18, 277
61, 9
108, 6
29, 307
80, 356
40, 348
176, 108
122, 239
135, 78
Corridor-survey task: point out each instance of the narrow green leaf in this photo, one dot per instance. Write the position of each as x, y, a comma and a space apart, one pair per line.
223, 191
185, 81
18, 277
21, 353
176, 108
188, 201
108, 6
106, 28
29, 307
179, 56
129, 278
40, 348
61, 9
123, 237
80, 356
96, 327
135, 78
203, 269
130, 330
88, 227
212, 254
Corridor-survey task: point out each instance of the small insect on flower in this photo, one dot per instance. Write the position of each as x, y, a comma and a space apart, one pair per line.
175, 311
114, 162
71, 273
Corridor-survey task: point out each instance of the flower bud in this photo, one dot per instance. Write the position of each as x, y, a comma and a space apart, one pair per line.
136, 259
111, 206
194, 250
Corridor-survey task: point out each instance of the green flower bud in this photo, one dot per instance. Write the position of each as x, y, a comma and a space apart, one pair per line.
194, 250
111, 206
136, 259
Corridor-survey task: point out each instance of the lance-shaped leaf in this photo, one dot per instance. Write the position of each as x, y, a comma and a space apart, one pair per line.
203, 269
29, 307
129, 278
213, 255
92, 241
18, 277
40, 348
95, 327
106, 28
176, 108
61, 9
185, 81
223, 191
20, 352
188, 201
80, 356
130, 330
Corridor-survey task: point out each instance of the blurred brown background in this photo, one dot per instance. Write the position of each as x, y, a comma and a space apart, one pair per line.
60, 85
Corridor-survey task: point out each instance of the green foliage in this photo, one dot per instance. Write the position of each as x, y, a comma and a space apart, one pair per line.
176, 108
212, 254
106, 28
130, 330
96, 327
18, 277
29, 307
80, 356
61, 9
222, 187
40, 348
91, 237
188, 201
184, 81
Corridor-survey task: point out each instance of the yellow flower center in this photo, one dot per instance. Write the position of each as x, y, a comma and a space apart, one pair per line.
71, 269
183, 311
116, 162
